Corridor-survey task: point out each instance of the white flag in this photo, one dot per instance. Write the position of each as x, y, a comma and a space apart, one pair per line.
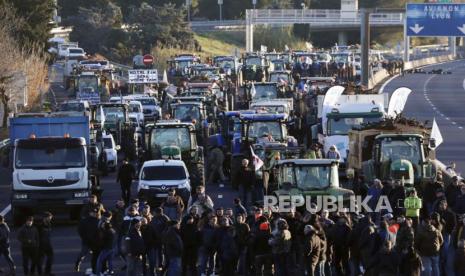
309, 46
286, 48
102, 117
436, 134
253, 92
165, 77
257, 162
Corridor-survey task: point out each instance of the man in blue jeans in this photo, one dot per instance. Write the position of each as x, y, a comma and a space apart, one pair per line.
428, 241
173, 248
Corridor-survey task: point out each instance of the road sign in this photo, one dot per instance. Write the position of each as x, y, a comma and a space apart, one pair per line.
435, 19
148, 59
143, 76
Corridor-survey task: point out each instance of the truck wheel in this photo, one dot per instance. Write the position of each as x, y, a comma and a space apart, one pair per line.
197, 174
18, 216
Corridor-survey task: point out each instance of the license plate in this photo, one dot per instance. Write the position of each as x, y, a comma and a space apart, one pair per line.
161, 195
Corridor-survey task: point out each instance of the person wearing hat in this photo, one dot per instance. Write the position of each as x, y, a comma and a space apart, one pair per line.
412, 205
333, 153
28, 236
281, 242
88, 231
136, 248
45, 243
312, 249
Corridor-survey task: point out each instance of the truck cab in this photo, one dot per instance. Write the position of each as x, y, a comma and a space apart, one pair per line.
50, 163
88, 87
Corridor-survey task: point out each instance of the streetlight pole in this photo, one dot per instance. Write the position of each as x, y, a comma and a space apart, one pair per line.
188, 6
220, 3
254, 3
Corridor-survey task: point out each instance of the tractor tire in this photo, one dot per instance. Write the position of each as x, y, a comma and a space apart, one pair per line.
197, 175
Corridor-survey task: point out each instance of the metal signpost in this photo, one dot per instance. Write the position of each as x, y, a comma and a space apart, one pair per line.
434, 19
220, 3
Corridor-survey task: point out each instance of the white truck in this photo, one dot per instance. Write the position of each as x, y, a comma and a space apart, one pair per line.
340, 113
49, 159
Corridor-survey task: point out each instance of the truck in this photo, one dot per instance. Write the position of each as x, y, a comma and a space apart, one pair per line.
341, 113
49, 159
395, 148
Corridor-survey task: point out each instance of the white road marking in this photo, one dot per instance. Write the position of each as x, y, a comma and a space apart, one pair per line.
381, 90
460, 127
6, 210
221, 185
447, 118
454, 123
220, 196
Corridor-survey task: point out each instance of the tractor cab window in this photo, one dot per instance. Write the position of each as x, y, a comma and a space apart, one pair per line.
396, 149
187, 113
88, 84
312, 177
111, 113
253, 61
263, 129
162, 137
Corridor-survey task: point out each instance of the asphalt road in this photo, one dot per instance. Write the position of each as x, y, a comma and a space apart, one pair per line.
441, 97
65, 239
434, 96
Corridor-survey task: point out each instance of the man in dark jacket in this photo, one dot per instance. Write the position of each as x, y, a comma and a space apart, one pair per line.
428, 242
385, 262
228, 251
189, 235
312, 249
242, 230
28, 236
261, 249
173, 248
452, 192
150, 237
5, 244
107, 235
91, 205
397, 197
88, 231
136, 248
45, 243
339, 235
125, 176
245, 181
460, 204
159, 223
449, 221
208, 247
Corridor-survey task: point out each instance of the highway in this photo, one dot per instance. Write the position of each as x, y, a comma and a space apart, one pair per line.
441, 97
434, 96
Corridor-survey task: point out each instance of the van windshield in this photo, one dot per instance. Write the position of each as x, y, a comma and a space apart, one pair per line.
163, 173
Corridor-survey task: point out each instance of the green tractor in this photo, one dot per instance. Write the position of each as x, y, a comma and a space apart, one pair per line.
308, 177
172, 139
401, 152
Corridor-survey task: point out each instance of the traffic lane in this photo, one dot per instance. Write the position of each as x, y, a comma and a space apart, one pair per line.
418, 106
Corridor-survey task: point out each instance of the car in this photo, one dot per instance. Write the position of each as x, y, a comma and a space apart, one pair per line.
111, 149
63, 48
75, 53
136, 112
157, 177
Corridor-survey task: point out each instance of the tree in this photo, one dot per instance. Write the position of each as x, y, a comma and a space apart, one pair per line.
35, 28
159, 26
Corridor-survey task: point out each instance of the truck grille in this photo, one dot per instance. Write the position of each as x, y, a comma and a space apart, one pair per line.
46, 183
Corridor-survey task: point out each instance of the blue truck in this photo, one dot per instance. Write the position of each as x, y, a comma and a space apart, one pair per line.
49, 157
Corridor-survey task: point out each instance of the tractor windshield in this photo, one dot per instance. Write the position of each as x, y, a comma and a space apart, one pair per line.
172, 136
88, 84
401, 148
253, 61
309, 177
341, 58
187, 113
279, 77
263, 129
225, 63
264, 92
